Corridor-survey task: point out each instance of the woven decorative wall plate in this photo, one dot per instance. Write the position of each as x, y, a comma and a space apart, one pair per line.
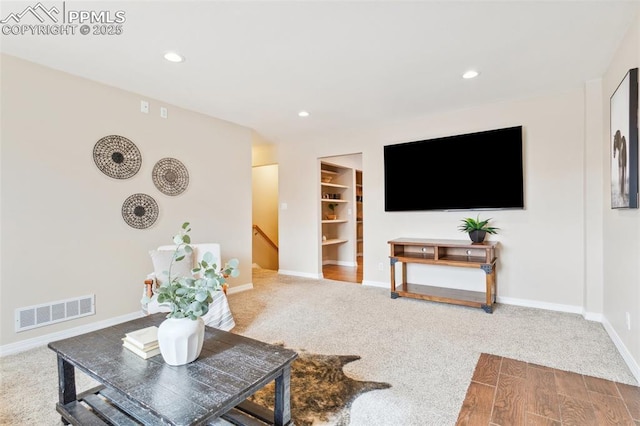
140, 211
117, 157
170, 176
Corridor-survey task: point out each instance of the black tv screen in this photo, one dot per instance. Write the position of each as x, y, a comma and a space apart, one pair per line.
473, 171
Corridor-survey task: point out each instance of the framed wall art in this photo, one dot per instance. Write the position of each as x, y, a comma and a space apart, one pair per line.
623, 143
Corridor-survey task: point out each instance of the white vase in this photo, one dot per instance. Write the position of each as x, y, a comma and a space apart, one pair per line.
180, 340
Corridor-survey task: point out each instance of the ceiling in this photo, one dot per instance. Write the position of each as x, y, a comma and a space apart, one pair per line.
351, 64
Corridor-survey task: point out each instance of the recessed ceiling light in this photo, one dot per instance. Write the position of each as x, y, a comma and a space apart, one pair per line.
173, 57
470, 74
303, 114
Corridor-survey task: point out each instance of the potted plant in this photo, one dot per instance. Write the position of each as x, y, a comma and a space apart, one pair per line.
181, 335
476, 228
332, 215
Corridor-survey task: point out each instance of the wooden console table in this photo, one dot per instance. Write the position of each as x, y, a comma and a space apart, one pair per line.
447, 253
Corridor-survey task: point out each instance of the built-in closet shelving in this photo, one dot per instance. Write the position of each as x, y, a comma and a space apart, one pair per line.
359, 214
336, 189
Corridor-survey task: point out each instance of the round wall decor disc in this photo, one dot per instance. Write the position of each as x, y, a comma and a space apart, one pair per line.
117, 157
140, 211
170, 176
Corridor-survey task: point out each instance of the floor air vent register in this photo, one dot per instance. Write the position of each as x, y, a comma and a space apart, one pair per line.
54, 312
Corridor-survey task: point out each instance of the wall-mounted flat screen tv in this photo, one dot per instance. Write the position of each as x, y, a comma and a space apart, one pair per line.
482, 170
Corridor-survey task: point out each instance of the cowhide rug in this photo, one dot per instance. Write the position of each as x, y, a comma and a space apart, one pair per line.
320, 391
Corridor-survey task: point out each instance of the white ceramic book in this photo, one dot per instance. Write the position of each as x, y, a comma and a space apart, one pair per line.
144, 339
141, 353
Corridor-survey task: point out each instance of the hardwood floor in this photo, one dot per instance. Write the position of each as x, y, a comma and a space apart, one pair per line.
507, 392
344, 273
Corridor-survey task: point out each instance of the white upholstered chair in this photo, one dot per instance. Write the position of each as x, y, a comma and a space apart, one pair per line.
219, 315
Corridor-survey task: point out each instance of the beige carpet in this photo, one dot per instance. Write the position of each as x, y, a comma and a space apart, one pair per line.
426, 351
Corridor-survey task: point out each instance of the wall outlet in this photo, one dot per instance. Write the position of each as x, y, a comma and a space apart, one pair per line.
380, 266
628, 315
163, 112
144, 107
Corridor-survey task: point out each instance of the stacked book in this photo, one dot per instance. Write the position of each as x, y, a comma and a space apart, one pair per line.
143, 342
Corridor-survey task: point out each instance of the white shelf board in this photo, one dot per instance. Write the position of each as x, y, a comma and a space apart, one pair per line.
333, 241
328, 172
334, 185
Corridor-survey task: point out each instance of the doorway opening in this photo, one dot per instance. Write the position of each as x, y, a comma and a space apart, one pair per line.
265, 216
341, 217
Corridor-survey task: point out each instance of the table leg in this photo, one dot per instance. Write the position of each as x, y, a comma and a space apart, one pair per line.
392, 270
404, 276
490, 273
282, 409
66, 383
489, 288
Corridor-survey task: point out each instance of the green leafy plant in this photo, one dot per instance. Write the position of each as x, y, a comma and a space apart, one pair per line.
332, 208
470, 224
189, 297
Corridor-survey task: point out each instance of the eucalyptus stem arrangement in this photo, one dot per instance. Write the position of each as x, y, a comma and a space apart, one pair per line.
189, 297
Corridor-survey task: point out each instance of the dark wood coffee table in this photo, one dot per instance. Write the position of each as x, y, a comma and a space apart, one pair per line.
137, 391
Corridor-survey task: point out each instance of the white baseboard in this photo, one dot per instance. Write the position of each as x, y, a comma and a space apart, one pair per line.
540, 305
626, 355
24, 345
300, 274
517, 302
377, 284
240, 288
592, 316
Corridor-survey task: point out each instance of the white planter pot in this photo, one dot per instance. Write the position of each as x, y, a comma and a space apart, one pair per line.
180, 340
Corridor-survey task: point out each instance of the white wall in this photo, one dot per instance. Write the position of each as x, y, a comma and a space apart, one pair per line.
353, 161
621, 226
263, 152
62, 231
593, 181
542, 247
